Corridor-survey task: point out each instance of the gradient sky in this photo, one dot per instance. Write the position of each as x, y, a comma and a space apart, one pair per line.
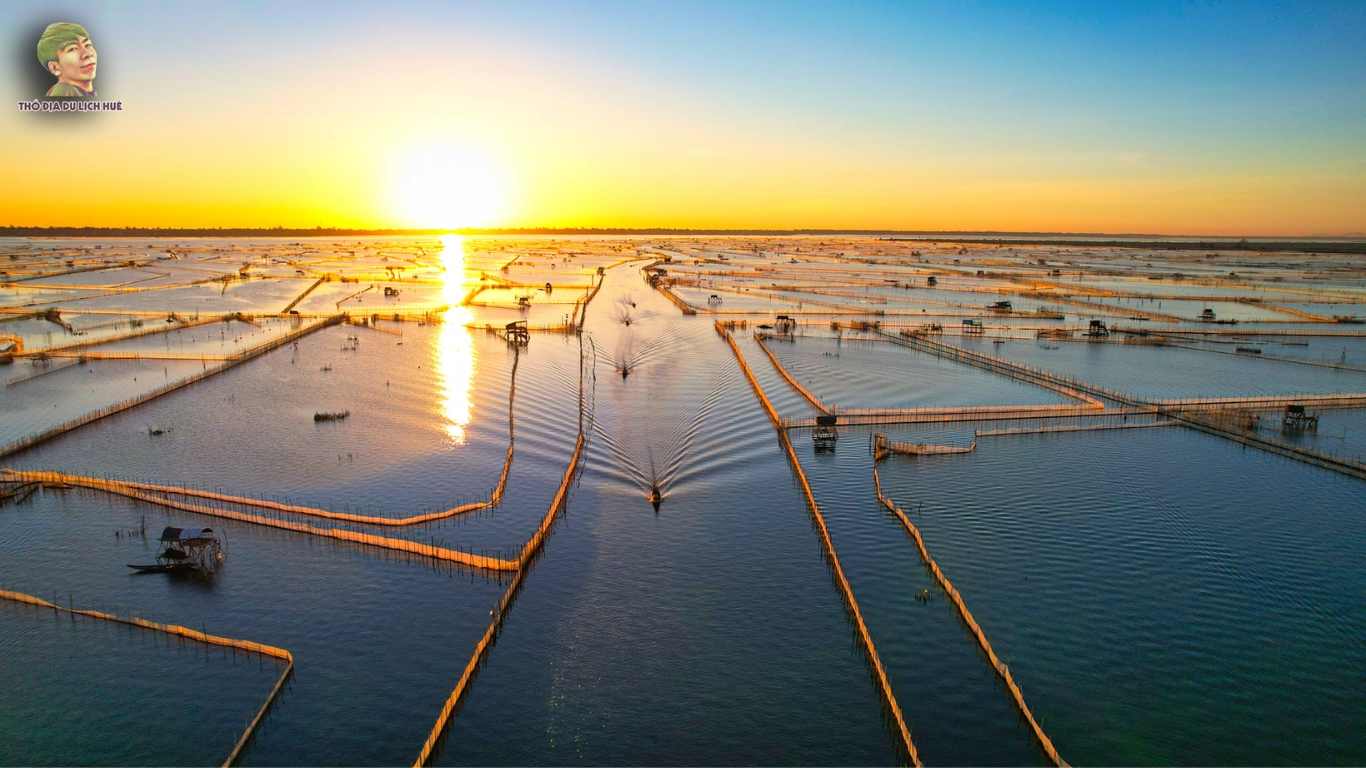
1116, 117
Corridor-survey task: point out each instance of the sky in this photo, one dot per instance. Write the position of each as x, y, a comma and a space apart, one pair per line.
1201, 118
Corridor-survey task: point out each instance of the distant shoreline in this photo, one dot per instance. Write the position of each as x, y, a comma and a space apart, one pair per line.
1351, 243
1304, 245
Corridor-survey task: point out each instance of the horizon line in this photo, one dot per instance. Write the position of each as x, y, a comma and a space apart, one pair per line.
320, 231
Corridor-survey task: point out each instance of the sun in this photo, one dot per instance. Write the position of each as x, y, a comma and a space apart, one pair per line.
445, 186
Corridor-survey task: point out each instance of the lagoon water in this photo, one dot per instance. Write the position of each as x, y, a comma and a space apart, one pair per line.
1161, 596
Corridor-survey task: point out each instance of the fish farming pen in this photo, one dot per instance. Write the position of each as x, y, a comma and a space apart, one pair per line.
787, 377
1016, 696
883, 448
1057, 428
17, 491
854, 417
846, 591
62, 481
1234, 418
867, 291
190, 634
161, 494
521, 567
228, 363
1035, 376
1185, 410
154, 331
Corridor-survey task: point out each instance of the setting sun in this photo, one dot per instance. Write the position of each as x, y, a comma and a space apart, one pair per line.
448, 186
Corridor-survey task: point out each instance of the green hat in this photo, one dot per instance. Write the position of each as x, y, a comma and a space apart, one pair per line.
55, 37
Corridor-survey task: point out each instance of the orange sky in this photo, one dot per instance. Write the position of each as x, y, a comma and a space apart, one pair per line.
525, 131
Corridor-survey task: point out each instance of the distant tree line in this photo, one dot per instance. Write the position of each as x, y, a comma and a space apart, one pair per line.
1126, 240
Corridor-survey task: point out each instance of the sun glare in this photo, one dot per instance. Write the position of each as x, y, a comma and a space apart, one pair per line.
455, 357
442, 186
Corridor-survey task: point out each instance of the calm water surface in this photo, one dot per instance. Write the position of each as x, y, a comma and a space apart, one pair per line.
1162, 596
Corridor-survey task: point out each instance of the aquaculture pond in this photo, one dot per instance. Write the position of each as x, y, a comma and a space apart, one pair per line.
501, 524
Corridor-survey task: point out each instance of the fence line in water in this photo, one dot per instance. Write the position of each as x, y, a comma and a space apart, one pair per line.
1336, 366
246, 501
1038, 375
1071, 428
231, 362
117, 488
1197, 422
791, 382
308, 290
882, 448
1235, 332
519, 567
500, 610
671, 296
1090, 403
1001, 669
855, 417
154, 331
1186, 410
192, 634
841, 581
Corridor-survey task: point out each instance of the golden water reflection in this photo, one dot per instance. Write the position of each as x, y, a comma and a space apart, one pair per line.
455, 357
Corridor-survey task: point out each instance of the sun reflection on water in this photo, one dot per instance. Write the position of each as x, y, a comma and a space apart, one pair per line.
455, 356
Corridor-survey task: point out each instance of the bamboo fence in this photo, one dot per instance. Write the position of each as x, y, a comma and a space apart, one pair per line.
191, 634
686, 308
1071, 428
882, 447
117, 488
791, 382
847, 592
247, 501
500, 610
231, 362
153, 331
1001, 669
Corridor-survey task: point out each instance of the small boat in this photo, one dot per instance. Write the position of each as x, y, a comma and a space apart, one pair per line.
656, 496
160, 568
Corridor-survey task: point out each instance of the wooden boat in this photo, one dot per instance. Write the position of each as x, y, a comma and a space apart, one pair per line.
164, 568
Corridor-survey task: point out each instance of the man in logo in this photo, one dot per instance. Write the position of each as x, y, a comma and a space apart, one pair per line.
65, 51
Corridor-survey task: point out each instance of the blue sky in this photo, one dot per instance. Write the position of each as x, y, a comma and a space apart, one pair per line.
1046, 94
